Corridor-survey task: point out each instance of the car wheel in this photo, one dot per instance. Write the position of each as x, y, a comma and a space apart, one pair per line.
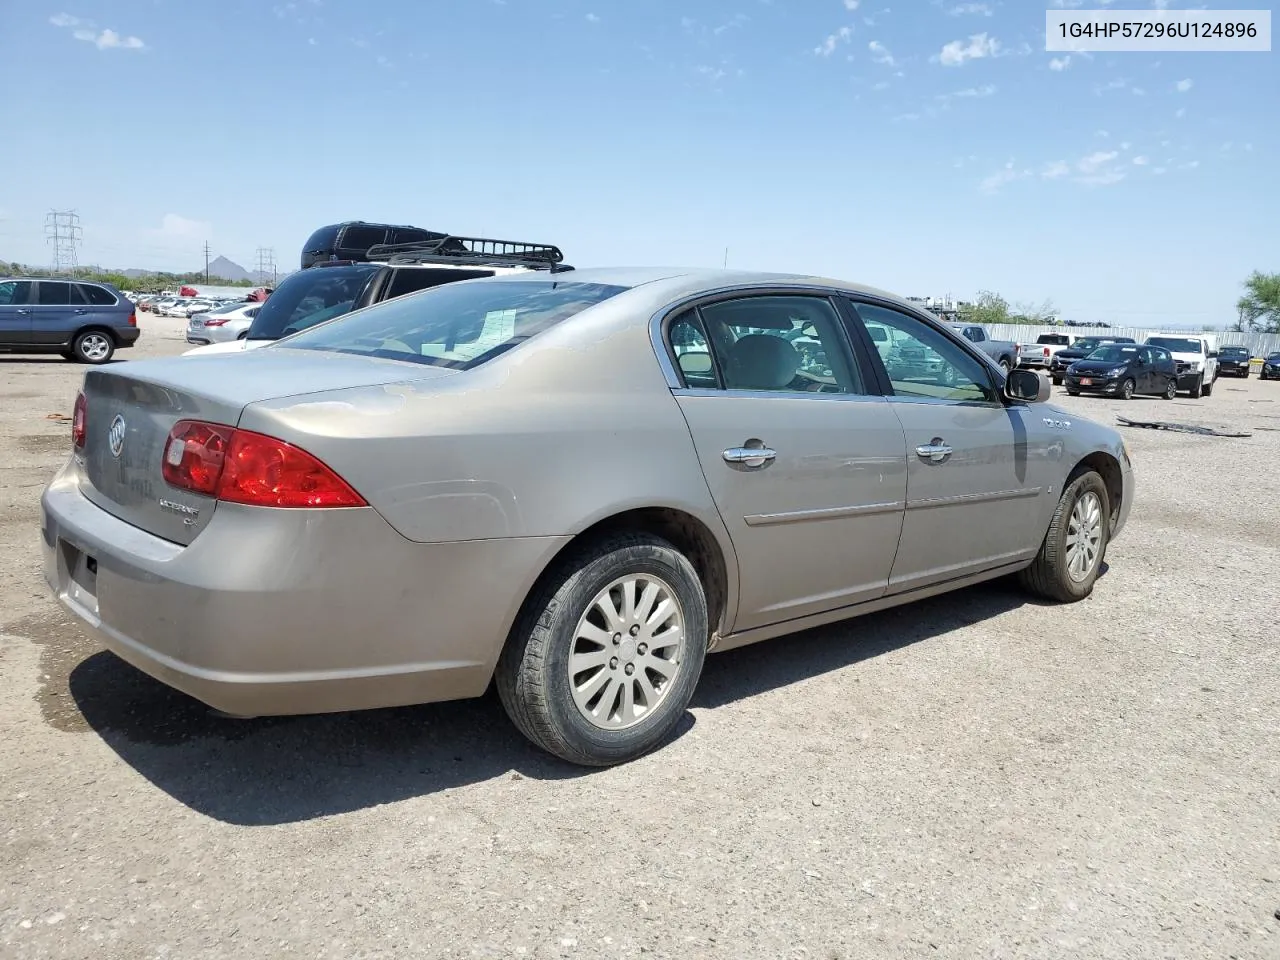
1004, 365
1207, 389
1197, 388
1171, 390
1072, 393
1127, 388
1057, 381
604, 659
93, 346
1067, 565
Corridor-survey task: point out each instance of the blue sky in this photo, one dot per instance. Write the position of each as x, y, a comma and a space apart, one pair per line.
929, 147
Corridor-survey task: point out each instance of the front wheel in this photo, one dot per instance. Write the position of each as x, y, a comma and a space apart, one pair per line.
1127, 388
93, 346
1072, 393
1005, 366
1197, 388
1057, 380
1170, 390
1071, 555
605, 657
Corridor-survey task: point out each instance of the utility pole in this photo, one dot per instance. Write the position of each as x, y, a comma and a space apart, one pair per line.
206, 261
62, 232
267, 265
726, 258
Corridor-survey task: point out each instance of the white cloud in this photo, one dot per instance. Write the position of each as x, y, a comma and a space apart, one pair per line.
1095, 160
65, 20
978, 46
1191, 166
592, 18
880, 53
1140, 161
1137, 91
84, 30
1182, 86
1125, 146
977, 9
828, 46
882, 85
851, 4
1180, 112
1060, 63
1007, 174
1102, 88
986, 90
1053, 171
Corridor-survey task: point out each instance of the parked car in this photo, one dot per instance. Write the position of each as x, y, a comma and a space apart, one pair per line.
424, 520
1196, 356
310, 297
82, 321
1038, 355
223, 324
1002, 352
1125, 370
1270, 367
1077, 351
352, 240
1234, 361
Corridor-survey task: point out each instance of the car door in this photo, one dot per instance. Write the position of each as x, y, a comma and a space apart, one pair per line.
15, 313
977, 467
1146, 372
52, 322
805, 462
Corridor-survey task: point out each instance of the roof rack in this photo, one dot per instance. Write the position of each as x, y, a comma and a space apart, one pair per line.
474, 250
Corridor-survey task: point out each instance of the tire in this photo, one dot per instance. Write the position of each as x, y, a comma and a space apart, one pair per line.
1049, 575
93, 346
1005, 366
1207, 389
1057, 381
1197, 389
1170, 390
243, 335
1072, 393
533, 674
1127, 388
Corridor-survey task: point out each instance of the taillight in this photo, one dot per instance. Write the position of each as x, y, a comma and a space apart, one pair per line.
214, 323
240, 466
79, 419
133, 318
1046, 351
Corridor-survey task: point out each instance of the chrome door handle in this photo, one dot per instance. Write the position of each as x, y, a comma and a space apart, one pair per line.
749, 456
935, 451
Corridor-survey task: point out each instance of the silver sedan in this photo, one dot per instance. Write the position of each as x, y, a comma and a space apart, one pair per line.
576, 484
222, 324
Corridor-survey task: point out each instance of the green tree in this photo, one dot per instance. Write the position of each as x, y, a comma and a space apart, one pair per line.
1260, 306
987, 307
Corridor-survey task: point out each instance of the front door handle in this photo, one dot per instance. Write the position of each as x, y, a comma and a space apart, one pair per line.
935, 451
750, 456
80, 311
24, 312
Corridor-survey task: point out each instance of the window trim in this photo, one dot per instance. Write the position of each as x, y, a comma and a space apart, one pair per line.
660, 340
956, 338
38, 286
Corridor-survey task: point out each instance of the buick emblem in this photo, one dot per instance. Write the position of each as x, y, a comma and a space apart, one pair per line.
115, 436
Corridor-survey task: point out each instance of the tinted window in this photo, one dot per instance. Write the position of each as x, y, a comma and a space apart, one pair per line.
1234, 352
922, 361
783, 343
14, 293
308, 298
1115, 353
1054, 339
413, 235
456, 324
362, 238
98, 296
53, 294
320, 242
1176, 344
1162, 356
413, 279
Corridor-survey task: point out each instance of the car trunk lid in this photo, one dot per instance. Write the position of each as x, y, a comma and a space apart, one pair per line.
132, 407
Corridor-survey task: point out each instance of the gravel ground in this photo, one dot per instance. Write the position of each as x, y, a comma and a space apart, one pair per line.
977, 775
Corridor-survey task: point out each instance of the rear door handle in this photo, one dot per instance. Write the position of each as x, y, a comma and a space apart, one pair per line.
750, 456
80, 311
935, 451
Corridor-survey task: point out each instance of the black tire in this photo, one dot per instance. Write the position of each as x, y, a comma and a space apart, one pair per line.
1197, 389
532, 676
1072, 393
1127, 388
1170, 390
1047, 576
1207, 389
1057, 381
93, 347
1005, 366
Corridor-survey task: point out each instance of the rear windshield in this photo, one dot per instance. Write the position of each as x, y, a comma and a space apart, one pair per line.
456, 325
308, 298
319, 245
1057, 339
1176, 344
1114, 352
1234, 351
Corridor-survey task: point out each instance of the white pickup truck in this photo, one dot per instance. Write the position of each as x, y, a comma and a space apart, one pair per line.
1039, 355
1196, 357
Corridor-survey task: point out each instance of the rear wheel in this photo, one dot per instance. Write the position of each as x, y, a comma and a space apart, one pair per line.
1071, 556
93, 346
1207, 389
605, 657
1197, 388
1072, 393
1127, 388
1005, 366
1057, 380
1170, 390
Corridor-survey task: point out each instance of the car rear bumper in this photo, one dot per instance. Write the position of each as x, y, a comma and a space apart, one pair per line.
273, 611
127, 336
1041, 363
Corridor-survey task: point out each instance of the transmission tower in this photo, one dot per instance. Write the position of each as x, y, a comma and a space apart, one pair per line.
266, 265
62, 231
206, 261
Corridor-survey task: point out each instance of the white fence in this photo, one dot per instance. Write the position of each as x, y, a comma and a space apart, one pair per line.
1259, 344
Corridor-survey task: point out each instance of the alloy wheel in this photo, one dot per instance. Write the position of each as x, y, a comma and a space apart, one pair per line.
1084, 537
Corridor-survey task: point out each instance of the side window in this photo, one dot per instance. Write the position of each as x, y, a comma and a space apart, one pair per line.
976, 334
1146, 355
413, 279
692, 352
53, 294
921, 361
15, 293
781, 343
97, 296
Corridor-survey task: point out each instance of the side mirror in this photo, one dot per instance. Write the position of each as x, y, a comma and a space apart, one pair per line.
1026, 386
1213, 353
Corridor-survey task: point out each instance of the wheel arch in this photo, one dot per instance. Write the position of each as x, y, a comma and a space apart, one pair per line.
96, 327
1107, 467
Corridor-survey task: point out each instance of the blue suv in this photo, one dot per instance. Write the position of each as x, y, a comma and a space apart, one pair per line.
82, 321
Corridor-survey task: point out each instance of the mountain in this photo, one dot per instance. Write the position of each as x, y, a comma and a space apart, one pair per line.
225, 269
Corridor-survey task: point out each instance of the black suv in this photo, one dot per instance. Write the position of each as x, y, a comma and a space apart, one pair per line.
351, 240
1234, 361
81, 321
332, 289
1077, 351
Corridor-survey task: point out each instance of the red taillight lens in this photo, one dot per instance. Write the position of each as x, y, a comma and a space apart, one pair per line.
214, 323
79, 419
1046, 351
133, 318
244, 467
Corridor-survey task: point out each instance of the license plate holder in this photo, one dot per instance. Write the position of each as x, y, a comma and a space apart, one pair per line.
82, 577
1086, 381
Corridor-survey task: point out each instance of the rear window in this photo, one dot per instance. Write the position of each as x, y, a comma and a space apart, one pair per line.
1176, 344
1234, 351
310, 297
96, 295
456, 325
1054, 339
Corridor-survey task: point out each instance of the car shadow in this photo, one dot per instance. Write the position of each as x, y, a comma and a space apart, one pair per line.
277, 770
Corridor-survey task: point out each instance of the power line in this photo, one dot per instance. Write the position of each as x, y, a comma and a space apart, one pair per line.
206, 261
62, 232
266, 265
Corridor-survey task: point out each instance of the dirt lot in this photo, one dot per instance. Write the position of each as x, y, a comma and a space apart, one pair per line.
974, 776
